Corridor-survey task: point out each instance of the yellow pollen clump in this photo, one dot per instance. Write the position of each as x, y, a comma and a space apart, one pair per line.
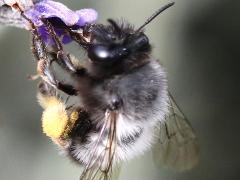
54, 120
74, 116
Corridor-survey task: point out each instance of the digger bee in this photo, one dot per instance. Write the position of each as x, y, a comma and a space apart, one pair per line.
122, 104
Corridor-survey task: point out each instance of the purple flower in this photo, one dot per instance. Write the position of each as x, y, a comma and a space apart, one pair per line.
59, 14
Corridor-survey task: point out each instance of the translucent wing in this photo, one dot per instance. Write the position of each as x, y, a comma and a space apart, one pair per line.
99, 166
97, 174
177, 145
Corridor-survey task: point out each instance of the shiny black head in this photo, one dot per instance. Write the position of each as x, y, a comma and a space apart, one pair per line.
120, 43
114, 43
118, 48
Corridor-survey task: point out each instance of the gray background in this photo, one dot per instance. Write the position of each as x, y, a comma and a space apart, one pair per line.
198, 43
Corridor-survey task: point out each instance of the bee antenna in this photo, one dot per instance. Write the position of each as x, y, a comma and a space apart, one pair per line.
154, 15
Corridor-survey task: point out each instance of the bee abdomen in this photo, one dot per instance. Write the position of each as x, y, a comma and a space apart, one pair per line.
82, 127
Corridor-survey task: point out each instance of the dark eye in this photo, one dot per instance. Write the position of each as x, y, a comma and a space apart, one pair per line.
105, 54
139, 43
99, 53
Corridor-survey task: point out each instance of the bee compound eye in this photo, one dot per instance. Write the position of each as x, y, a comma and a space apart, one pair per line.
98, 53
138, 43
105, 54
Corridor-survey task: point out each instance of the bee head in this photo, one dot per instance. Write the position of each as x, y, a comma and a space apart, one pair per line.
115, 43
117, 48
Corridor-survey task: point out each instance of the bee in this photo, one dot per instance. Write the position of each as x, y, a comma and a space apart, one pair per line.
122, 106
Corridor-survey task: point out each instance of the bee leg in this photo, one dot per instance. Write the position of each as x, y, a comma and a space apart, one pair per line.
46, 90
63, 59
47, 75
79, 69
81, 36
43, 67
41, 55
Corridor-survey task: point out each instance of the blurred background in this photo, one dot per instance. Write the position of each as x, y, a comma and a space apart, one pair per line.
197, 42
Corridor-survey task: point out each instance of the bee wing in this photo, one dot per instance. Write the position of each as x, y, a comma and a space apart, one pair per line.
100, 166
177, 145
97, 174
